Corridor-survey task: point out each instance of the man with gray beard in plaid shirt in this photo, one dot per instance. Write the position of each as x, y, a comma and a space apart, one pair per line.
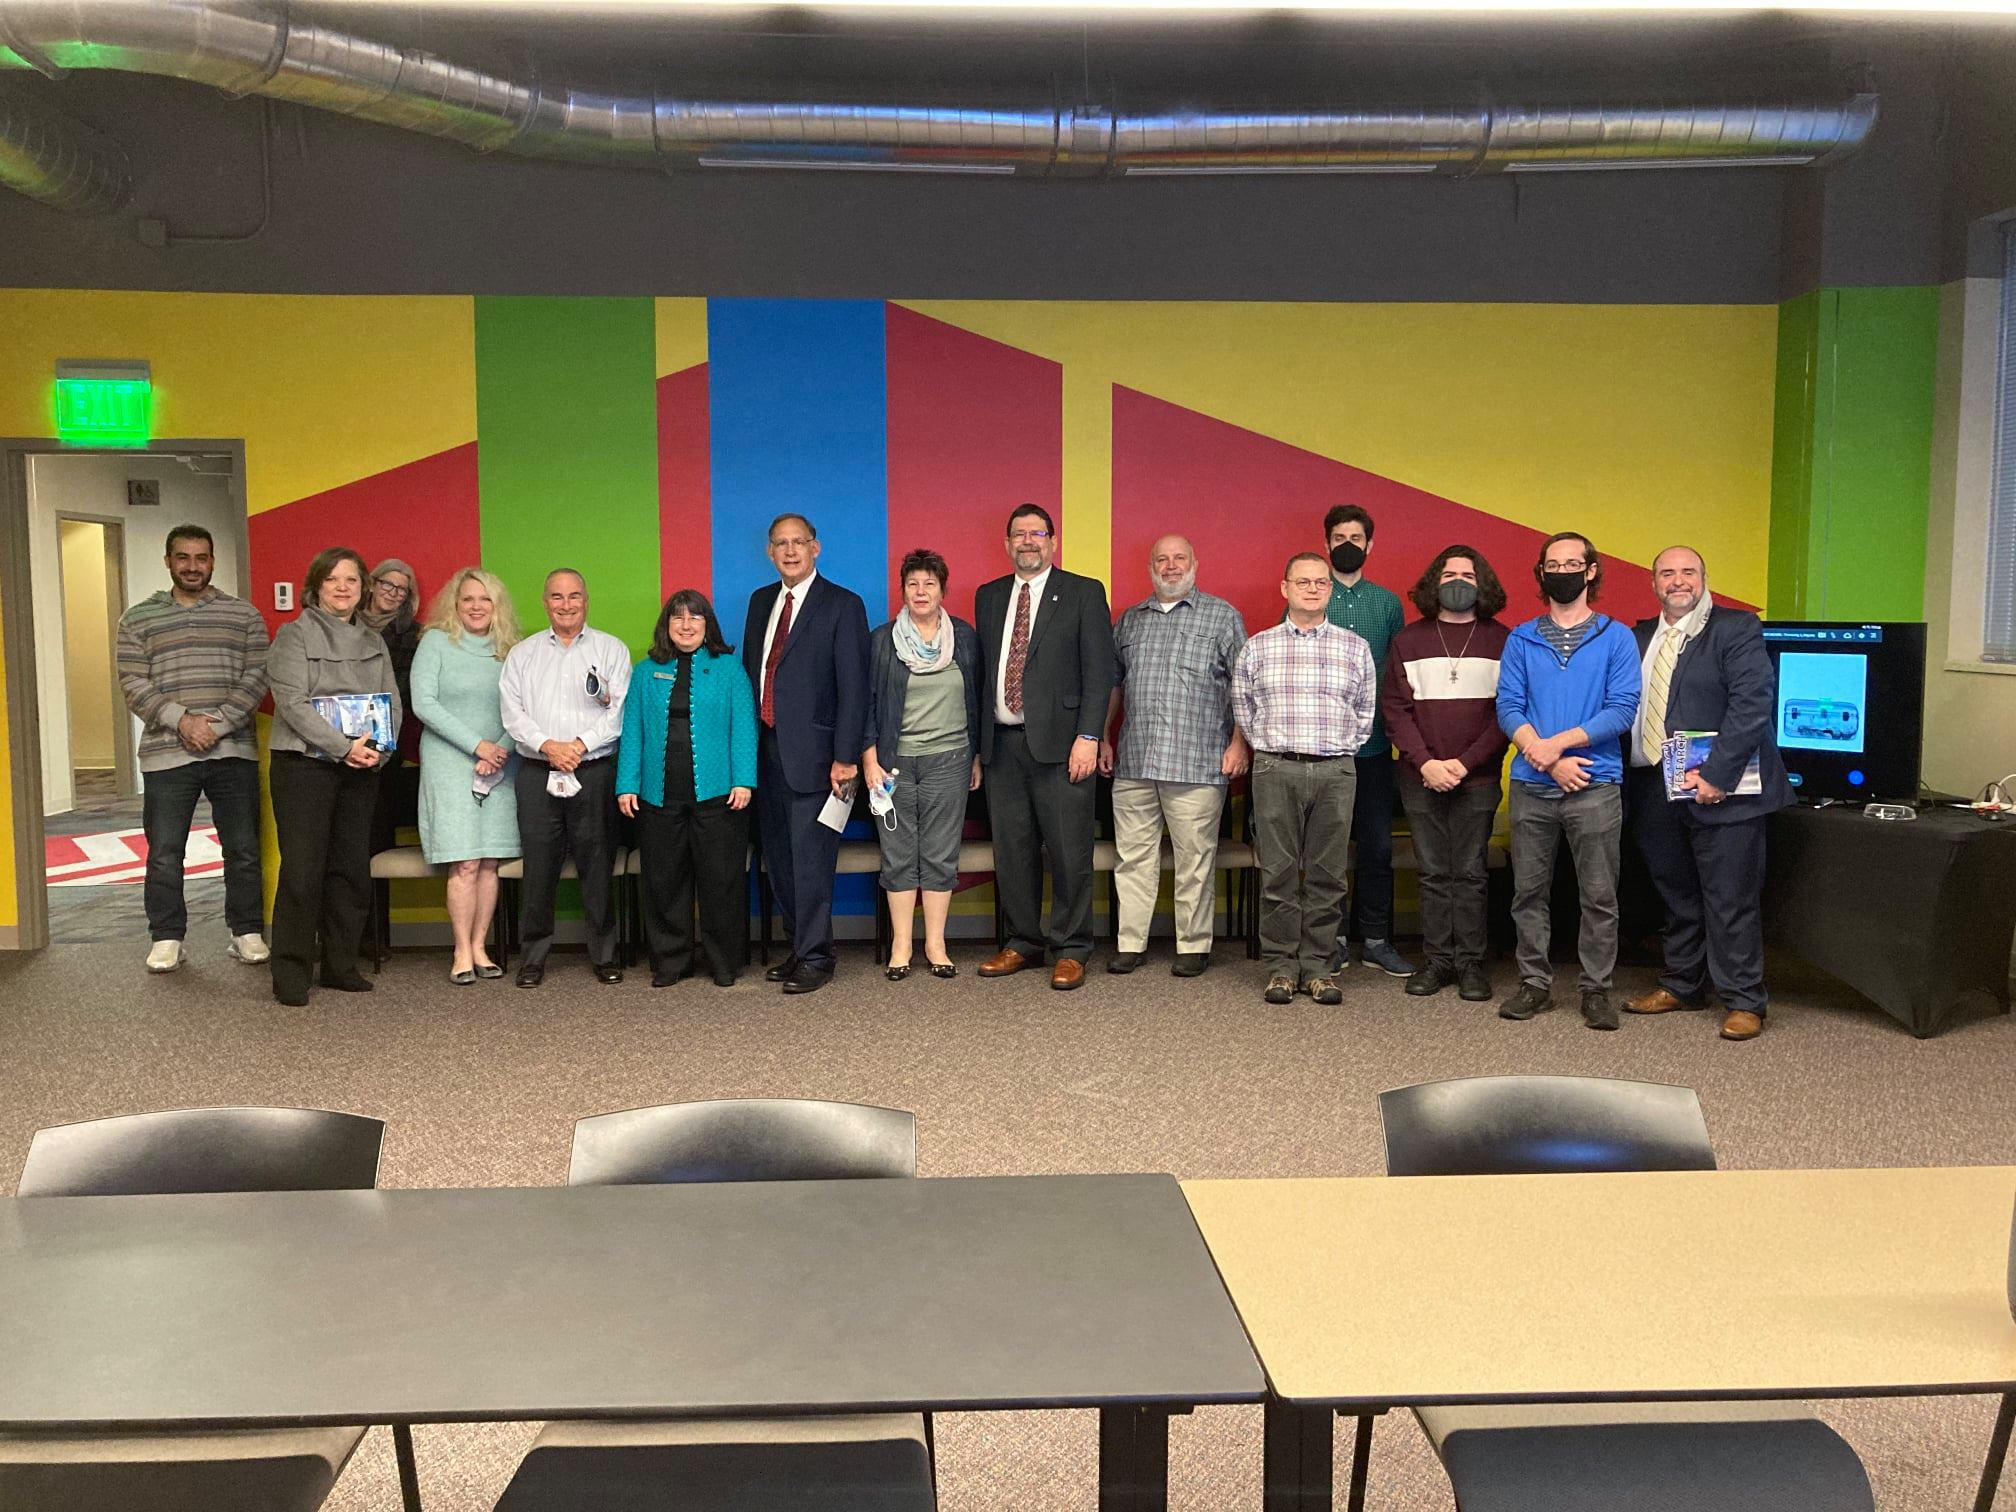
1177, 753
1303, 694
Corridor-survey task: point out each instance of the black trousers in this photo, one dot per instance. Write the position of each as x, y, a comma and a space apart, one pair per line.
1452, 847
691, 846
549, 831
322, 817
1371, 913
1711, 879
231, 783
799, 853
1032, 807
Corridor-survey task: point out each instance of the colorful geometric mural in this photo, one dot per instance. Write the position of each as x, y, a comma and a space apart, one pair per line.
649, 442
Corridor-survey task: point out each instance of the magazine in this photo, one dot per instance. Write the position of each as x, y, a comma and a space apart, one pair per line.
1684, 750
358, 714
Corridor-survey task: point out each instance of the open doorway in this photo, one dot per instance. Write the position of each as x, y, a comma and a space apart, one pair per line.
92, 534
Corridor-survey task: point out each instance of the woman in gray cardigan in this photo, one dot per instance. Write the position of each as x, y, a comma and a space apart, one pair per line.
324, 782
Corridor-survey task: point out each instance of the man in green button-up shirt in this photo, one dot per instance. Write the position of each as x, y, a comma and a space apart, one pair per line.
1362, 606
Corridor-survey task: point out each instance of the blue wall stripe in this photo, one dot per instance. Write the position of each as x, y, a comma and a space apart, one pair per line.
798, 404
797, 398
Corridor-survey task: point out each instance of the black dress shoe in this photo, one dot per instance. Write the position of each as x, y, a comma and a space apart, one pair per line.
1473, 984
354, 982
1190, 963
667, 978
1123, 961
724, 979
531, 976
807, 979
609, 972
780, 973
1429, 980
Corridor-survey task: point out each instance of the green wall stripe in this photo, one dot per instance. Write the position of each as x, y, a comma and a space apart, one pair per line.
567, 447
1852, 454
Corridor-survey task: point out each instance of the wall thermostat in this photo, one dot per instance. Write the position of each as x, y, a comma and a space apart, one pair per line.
283, 596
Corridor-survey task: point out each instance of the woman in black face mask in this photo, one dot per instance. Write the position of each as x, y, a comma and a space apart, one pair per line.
1440, 702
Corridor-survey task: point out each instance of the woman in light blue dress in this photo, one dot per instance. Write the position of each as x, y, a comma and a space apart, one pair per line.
468, 814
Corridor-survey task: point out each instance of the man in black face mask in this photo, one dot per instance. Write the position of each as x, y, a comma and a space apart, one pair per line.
1372, 613
1440, 703
1567, 693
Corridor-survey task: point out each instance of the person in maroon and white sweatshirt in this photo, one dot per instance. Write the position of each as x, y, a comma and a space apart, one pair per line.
1439, 697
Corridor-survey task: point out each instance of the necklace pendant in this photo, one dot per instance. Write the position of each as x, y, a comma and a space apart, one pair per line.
1452, 671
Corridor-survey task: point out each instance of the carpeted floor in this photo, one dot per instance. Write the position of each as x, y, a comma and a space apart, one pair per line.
480, 1086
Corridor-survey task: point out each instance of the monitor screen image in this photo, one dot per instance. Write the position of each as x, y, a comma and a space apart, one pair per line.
1850, 706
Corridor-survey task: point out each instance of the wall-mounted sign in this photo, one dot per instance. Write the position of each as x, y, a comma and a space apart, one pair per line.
143, 493
104, 403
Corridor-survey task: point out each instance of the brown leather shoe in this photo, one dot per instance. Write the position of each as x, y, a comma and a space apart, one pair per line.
1067, 974
1742, 1024
1004, 963
1658, 1000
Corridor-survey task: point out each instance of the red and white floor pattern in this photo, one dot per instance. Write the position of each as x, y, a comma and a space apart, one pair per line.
121, 856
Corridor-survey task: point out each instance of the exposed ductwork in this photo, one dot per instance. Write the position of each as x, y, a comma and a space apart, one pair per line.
60, 161
258, 47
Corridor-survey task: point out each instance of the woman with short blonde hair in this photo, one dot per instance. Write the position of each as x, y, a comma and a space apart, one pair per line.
468, 812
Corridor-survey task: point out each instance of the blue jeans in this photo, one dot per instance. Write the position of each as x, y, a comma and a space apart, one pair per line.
231, 783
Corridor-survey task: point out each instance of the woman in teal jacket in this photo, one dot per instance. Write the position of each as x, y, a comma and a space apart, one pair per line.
685, 773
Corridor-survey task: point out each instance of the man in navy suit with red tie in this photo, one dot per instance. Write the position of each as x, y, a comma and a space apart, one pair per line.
806, 649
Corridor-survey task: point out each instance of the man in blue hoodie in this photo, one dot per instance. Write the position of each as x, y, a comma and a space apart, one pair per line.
1567, 693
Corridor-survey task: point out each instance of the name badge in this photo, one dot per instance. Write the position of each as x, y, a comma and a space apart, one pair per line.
666, 676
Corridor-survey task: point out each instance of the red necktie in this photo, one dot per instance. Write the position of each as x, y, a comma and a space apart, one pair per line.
1018, 653
770, 662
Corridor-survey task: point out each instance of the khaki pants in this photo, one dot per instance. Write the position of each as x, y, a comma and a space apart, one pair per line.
1191, 811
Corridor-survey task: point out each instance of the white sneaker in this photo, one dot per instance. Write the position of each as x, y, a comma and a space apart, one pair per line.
165, 956
249, 948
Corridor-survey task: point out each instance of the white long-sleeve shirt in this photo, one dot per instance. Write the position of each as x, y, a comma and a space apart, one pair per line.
544, 692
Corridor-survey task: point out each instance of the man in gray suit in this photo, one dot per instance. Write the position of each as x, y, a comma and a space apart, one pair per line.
1046, 643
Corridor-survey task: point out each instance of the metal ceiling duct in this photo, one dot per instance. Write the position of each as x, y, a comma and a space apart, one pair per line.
60, 161
260, 47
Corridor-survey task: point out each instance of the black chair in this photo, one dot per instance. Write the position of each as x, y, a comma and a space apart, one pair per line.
188, 1151
1602, 1456
205, 1150
868, 1463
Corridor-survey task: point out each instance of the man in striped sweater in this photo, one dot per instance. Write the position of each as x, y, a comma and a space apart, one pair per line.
1440, 700
192, 664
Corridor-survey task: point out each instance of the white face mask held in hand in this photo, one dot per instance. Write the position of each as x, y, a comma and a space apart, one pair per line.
881, 800
562, 784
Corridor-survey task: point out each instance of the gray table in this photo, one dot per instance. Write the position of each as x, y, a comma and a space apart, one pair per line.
403, 1307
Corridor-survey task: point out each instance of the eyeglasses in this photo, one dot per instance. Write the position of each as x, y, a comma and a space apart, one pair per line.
801, 542
397, 590
1564, 566
1309, 582
1028, 537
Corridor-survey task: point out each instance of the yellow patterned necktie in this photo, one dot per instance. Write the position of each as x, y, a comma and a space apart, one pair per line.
1657, 685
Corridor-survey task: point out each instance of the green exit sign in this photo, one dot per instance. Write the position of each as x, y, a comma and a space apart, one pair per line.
104, 403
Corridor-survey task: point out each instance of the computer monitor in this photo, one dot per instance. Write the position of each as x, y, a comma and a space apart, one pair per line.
1851, 706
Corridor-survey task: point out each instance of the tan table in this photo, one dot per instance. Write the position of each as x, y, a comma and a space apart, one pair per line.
1369, 1293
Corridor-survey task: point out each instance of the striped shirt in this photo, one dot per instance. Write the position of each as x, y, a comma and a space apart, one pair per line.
1440, 697
1305, 692
203, 658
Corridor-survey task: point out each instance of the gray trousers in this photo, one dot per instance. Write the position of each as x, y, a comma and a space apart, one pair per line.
922, 852
1302, 838
1452, 848
1592, 820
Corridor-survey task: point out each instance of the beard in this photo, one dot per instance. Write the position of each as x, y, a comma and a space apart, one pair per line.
1170, 592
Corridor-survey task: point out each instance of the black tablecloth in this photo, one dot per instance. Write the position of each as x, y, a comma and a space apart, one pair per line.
1912, 915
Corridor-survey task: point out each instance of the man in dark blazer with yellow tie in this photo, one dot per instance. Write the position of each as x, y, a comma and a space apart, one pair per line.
1046, 643
1705, 668
805, 645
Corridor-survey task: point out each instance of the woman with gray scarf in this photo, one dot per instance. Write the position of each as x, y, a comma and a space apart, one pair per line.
923, 753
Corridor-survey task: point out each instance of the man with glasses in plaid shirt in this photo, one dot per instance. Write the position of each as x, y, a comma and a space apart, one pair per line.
1303, 695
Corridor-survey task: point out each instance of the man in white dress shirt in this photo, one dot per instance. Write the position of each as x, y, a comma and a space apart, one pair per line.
562, 693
